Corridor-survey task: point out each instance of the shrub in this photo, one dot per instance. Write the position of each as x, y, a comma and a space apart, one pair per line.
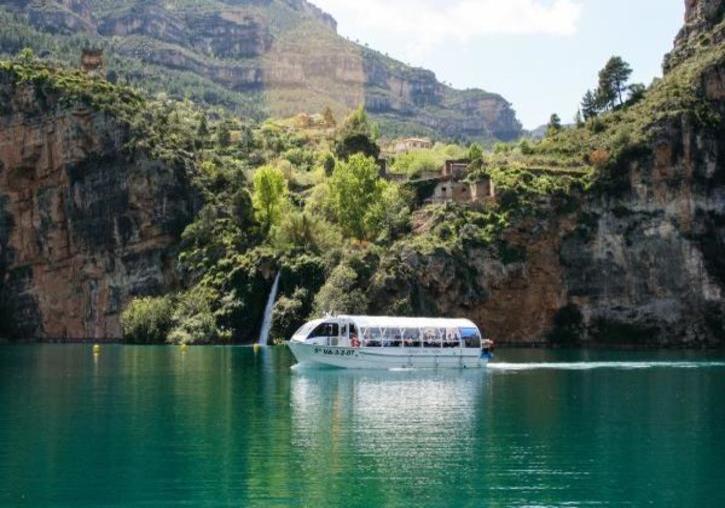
341, 294
194, 319
147, 320
289, 314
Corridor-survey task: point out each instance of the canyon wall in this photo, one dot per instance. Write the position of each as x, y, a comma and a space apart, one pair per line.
639, 262
285, 52
85, 223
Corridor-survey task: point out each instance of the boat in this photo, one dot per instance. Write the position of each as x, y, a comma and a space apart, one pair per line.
384, 342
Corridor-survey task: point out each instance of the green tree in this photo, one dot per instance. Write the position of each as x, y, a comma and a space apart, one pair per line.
194, 318
417, 162
589, 106
26, 55
269, 197
147, 320
554, 125
357, 135
224, 137
636, 92
355, 190
341, 294
475, 152
328, 163
613, 82
202, 132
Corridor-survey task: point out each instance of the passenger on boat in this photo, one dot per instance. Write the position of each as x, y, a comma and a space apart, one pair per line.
487, 347
354, 341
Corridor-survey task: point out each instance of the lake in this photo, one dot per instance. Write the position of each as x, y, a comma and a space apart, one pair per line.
228, 426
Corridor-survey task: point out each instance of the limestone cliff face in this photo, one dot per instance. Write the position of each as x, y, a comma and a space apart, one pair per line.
84, 223
288, 50
646, 258
640, 262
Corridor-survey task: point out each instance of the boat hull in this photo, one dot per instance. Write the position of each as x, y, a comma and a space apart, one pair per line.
386, 358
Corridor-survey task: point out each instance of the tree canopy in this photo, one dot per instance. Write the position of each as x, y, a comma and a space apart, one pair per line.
357, 135
355, 190
270, 190
613, 82
554, 125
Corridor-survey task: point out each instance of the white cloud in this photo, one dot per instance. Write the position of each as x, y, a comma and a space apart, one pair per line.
463, 18
423, 24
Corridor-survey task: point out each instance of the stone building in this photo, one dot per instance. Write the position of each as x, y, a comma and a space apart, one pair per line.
92, 61
463, 192
451, 187
410, 144
455, 168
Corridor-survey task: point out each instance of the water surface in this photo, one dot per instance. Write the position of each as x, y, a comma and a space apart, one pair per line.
153, 426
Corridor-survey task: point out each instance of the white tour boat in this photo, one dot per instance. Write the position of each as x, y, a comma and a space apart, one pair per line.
369, 342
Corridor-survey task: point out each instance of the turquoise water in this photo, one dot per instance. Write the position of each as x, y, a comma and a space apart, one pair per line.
152, 426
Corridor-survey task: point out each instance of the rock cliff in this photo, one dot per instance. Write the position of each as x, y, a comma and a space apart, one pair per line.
85, 223
286, 52
641, 259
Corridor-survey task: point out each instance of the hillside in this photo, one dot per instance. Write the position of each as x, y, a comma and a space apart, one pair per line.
259, 58
607, 233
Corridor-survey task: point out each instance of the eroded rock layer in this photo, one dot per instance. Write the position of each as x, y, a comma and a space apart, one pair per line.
288, 51
84, 223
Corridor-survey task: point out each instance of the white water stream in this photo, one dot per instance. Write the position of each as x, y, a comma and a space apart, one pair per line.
267, 322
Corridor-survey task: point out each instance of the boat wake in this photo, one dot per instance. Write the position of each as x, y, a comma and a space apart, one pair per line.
604, 365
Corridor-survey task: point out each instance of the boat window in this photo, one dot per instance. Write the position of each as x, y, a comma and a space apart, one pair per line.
410, 338
305, 329
471, 337
372, 337
452, 338
392, 337
325, 330
431, 337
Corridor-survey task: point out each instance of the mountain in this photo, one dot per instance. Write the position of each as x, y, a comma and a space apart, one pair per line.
607, 233
257, 57
636, 255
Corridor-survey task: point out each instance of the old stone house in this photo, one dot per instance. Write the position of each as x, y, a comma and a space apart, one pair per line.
410, 144
92, 61
451, 187
455, 168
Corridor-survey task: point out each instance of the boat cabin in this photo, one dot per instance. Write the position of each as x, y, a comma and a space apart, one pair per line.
390, 332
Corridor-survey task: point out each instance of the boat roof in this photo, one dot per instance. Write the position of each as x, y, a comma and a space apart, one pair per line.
408, 322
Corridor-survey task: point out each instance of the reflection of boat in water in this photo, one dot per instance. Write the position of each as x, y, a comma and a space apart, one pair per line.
368, 342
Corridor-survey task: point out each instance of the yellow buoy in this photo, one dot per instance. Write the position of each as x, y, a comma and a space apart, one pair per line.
184, 348
96, 349
257, 347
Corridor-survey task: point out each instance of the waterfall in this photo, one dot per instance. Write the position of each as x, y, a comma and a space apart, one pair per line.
267, 323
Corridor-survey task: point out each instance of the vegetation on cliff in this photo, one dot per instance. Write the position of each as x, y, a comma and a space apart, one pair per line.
305, 199
256, 59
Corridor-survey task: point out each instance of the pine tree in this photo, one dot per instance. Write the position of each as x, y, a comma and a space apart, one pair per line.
636, 92
554, 125
589, 107
613, 82
224, 136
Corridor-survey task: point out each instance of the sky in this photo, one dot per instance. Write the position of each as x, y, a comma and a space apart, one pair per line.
541, 55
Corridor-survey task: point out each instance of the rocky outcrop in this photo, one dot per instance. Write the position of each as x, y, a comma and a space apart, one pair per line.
703, 26
84, 223
290, 50
639, 262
